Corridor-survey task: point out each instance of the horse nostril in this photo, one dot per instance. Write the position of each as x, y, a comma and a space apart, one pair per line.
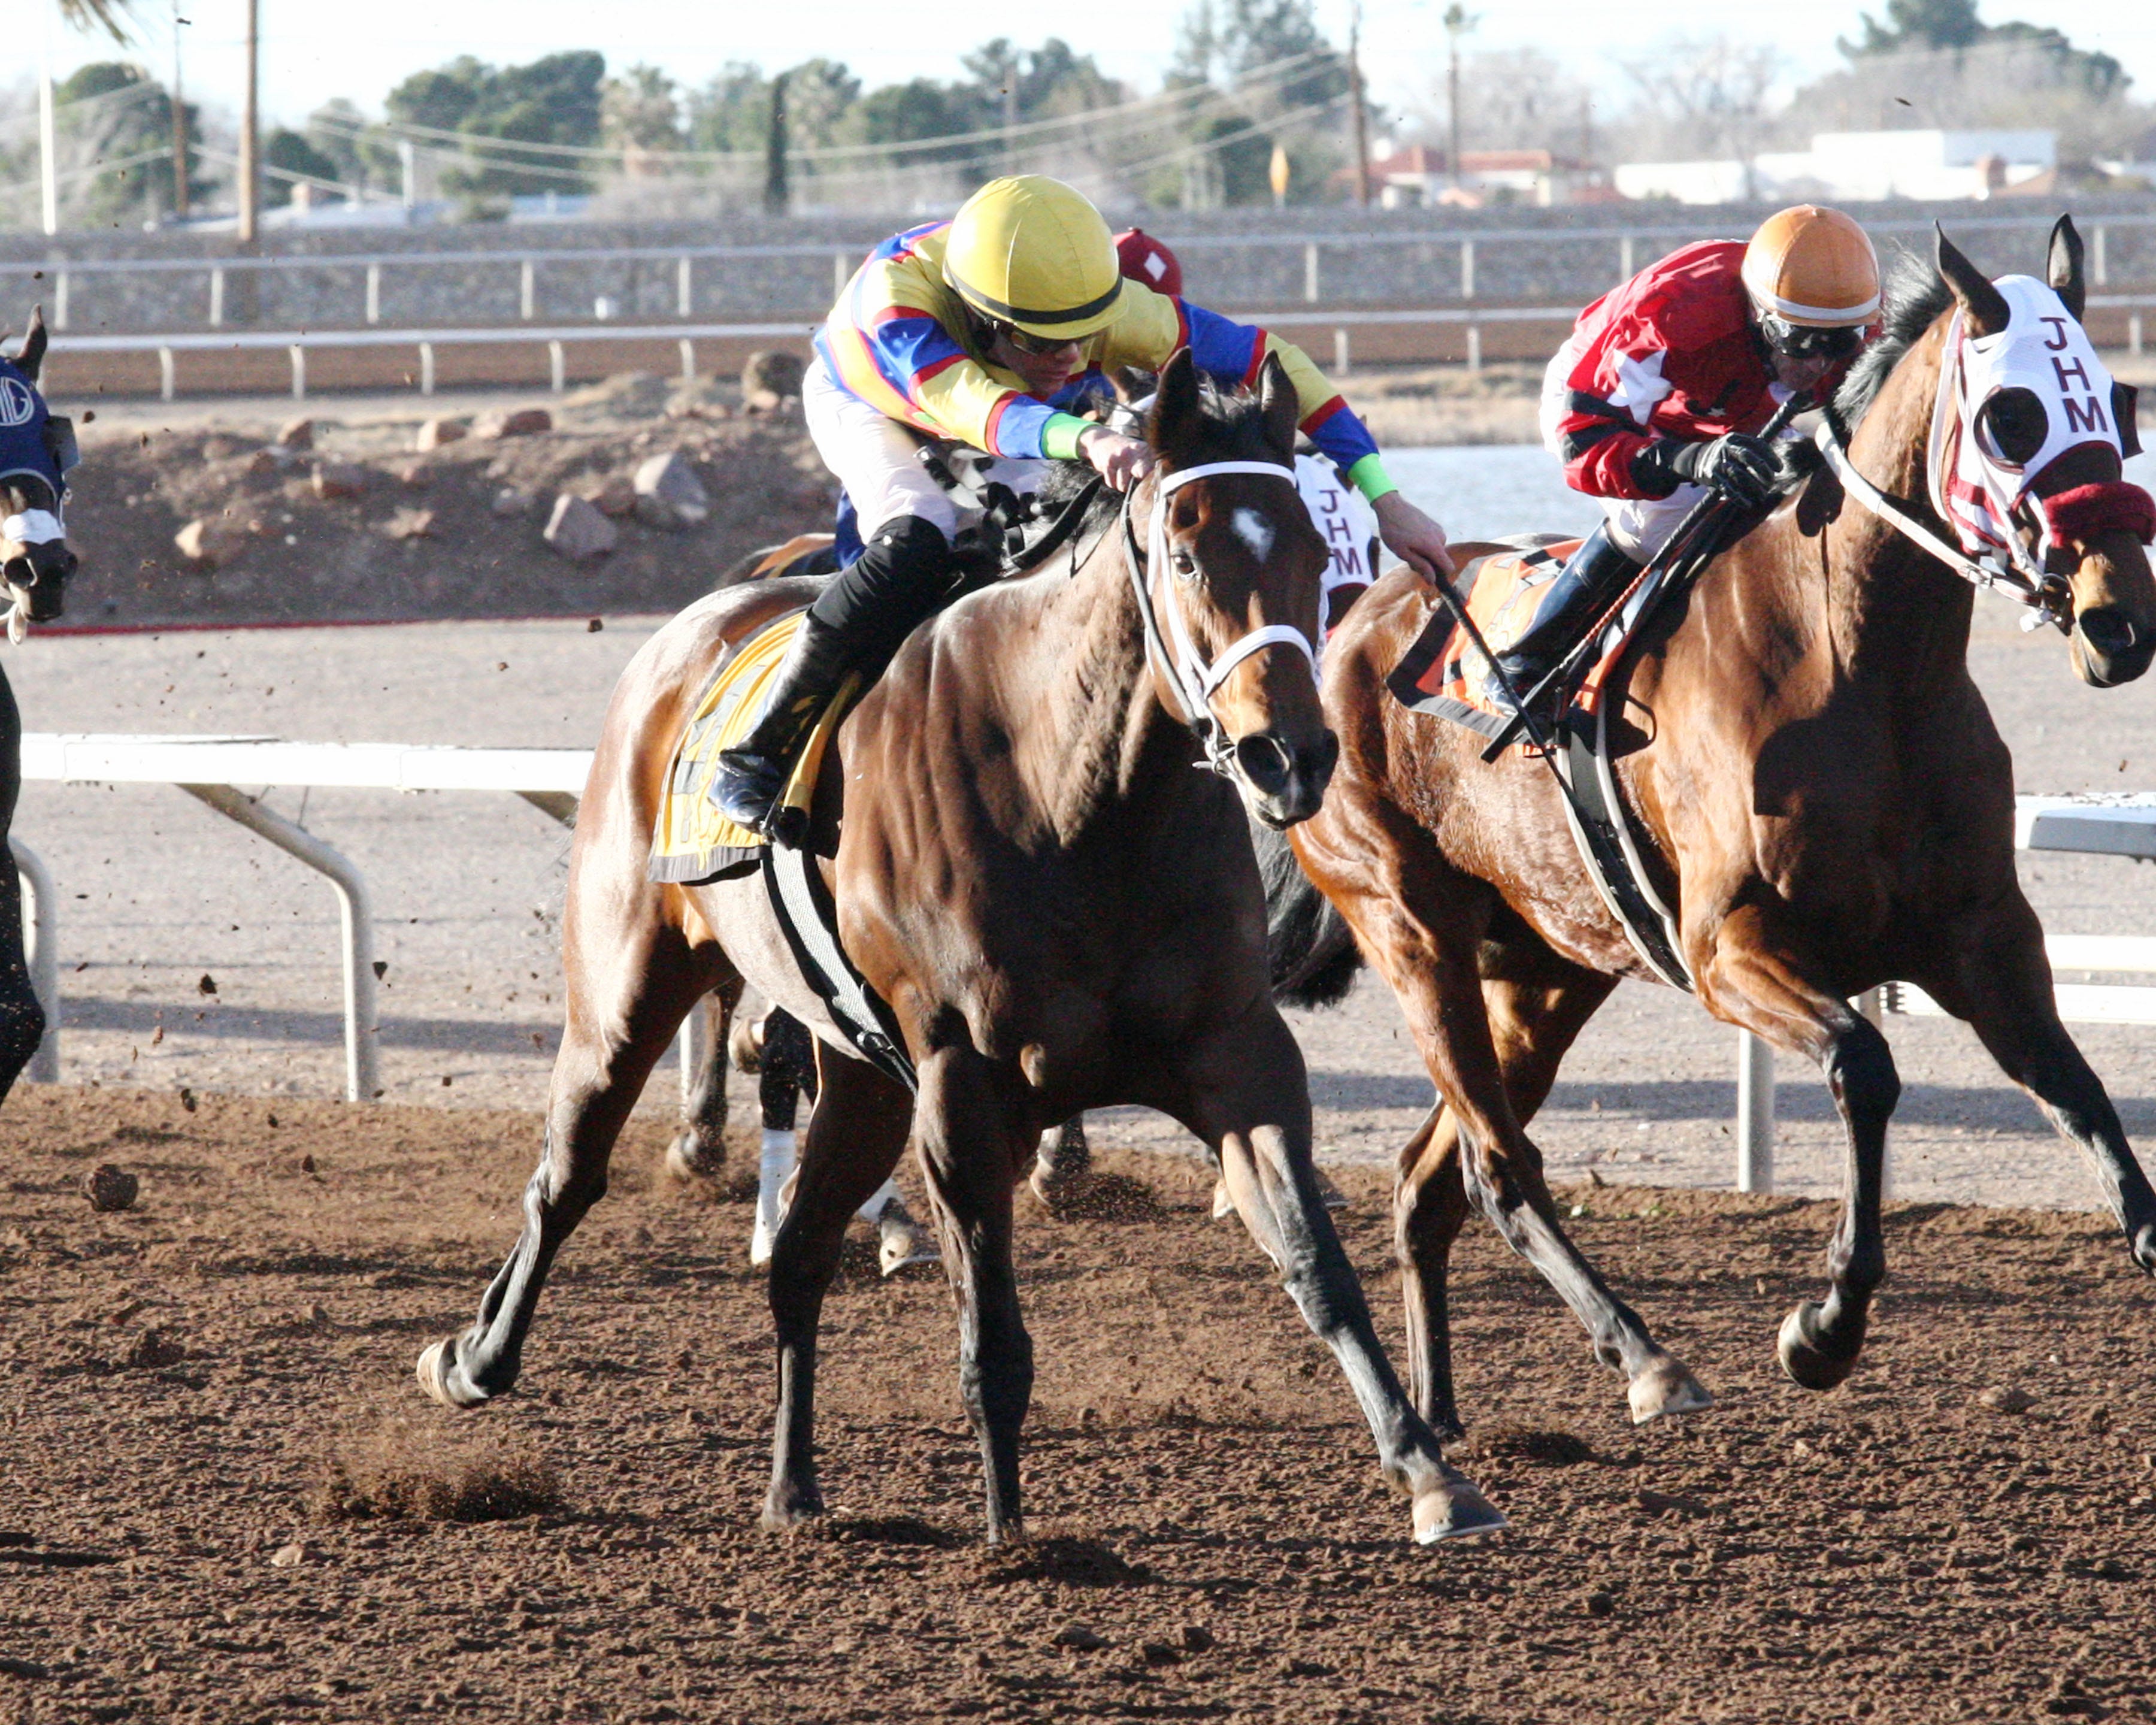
2108, 630
1263, 760
1319, 760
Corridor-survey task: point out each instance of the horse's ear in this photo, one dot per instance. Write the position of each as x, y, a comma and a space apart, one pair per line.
1985, 304
31, 356
2063, 267
1277, 402
1176, 410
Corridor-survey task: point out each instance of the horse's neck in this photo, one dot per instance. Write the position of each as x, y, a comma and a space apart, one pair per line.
1086, 725
1891, 613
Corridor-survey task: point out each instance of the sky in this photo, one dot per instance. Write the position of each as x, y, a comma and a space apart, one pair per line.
311, 51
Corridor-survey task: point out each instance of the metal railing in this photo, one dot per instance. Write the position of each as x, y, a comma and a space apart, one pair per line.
1631, 245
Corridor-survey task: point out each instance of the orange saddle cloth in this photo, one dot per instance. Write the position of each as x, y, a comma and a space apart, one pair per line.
1505, 591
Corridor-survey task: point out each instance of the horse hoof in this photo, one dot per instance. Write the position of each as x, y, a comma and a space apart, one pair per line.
688, 1160
1329, 1195
2144, 1248
1454, 1509
1808, 1365
433, 1370
1664, 1388
789, 1508
900, 1243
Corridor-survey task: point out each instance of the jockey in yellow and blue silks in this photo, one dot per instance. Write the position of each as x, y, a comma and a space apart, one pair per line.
989, 330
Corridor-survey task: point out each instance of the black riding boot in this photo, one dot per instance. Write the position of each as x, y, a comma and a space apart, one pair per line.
856, 624
1592, 576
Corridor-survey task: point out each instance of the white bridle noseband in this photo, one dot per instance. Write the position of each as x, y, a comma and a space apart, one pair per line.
1194, 678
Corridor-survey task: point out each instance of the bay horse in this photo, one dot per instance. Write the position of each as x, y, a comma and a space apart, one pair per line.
1059, 912
36, 448
1816, 787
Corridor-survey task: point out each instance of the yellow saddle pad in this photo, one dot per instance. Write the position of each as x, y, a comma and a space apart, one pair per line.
693, 842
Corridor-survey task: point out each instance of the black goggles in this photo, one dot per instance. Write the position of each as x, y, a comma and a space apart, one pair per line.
1040, 346
1797, 340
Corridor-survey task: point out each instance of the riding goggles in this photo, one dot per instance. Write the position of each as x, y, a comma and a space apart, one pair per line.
1040, 346
1798, 340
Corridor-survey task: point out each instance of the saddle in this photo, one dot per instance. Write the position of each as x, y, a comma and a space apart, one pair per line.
1443, 675
692, 844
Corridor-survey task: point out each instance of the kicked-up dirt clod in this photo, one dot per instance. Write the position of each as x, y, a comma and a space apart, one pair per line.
220, 1499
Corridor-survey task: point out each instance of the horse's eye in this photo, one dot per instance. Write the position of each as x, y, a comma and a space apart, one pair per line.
2012, 425
1185, 564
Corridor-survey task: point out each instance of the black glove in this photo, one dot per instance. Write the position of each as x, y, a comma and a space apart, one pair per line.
1739, 466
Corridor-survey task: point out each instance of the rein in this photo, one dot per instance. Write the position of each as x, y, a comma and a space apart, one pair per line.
2046, 597
1194, 680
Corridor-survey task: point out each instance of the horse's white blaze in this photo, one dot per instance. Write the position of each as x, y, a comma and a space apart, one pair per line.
1254, 531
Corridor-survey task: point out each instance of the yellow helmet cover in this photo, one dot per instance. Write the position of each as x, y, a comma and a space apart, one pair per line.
1033, 252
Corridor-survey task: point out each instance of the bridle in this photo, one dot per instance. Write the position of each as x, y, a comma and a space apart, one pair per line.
1185, 669
2047, 596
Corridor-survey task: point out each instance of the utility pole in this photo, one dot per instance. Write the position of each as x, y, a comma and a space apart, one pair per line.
179, 126
250, 128
1457, 23
1355, 105
48, 167
776, 195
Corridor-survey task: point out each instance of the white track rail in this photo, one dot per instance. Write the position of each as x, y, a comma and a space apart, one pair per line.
2124, 825
211, 768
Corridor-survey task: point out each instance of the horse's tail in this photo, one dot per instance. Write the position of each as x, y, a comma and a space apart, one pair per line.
1310, 953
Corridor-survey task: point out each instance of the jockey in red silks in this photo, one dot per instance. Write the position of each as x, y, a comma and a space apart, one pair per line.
994, 329
1654, 398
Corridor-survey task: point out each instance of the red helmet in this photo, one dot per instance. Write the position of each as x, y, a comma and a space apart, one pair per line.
1146, 260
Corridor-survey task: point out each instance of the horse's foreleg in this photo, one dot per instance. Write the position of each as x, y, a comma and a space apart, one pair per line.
855, 1136
1754, 981
1250, 1102
1493, 1053
630, 984
974, 1139
1430, 1203
698, 1151
2004, 989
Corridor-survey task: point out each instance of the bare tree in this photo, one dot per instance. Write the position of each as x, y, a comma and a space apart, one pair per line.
1702, 97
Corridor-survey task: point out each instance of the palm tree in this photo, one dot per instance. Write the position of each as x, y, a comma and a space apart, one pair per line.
110, 16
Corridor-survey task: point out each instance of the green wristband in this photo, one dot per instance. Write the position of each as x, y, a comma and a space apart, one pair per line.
1368, 476
1059, 437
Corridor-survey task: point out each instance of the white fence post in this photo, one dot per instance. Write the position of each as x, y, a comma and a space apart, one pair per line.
684, 295
426, 368
528, 290
299, 357
374, 293
216, 298
558, 366
1341, 356
41, 922
362, 1028
61, 300
1466, 268
1310, 273
1755, 1114
165, 381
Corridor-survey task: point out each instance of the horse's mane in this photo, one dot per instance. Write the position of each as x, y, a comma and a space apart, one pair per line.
1916, 295
1234, 426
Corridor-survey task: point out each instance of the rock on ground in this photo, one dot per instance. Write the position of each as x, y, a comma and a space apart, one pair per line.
513, 421
669, 494
433, 434
214, 539
577, 530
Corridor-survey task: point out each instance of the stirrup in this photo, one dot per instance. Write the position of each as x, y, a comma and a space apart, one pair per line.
747, 786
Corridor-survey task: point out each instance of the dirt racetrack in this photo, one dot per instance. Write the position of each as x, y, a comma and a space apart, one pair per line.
196, 1394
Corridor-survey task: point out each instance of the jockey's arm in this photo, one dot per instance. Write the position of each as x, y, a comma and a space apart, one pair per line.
1153, 325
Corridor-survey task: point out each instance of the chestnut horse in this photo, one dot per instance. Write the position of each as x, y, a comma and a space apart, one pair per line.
1059, 912
1815, 786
